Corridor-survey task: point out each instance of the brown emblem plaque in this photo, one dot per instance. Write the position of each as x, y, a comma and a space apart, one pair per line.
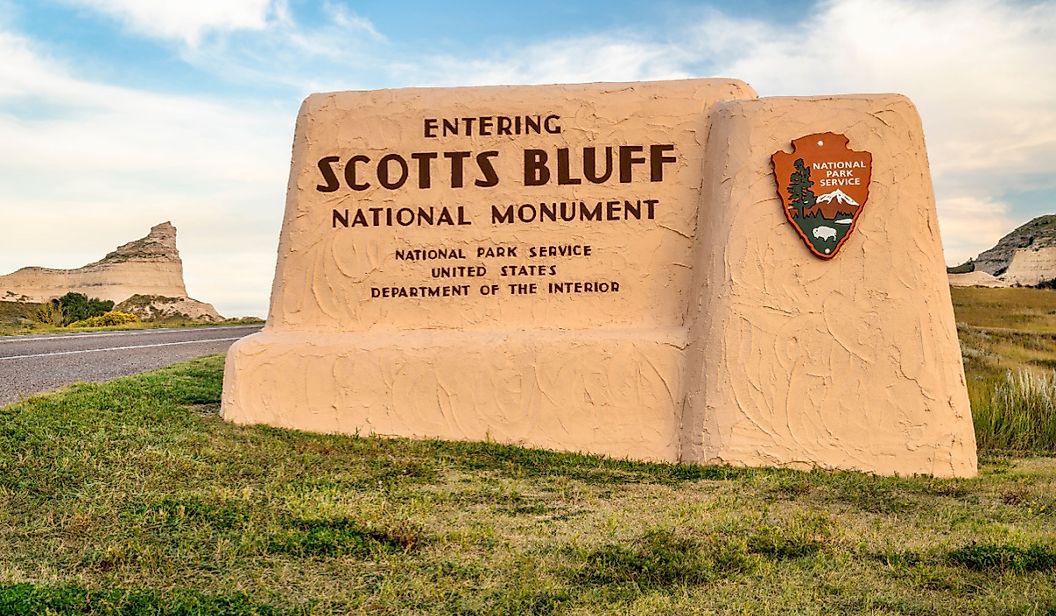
823, 186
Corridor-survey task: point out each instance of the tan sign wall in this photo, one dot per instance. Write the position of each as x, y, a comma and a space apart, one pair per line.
540, 265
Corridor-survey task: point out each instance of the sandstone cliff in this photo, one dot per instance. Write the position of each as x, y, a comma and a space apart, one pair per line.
159, 308
1026, 256
149, 266
1035, 235
976, 279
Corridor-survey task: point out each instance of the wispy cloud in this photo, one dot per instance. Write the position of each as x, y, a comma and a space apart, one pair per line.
345, 51
187, 20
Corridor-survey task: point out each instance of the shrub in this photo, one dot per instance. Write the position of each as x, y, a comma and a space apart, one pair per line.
49, 313
78, 307
105, 320
1020, 414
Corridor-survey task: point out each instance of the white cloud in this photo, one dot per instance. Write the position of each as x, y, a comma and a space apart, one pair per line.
346, 51
186, 20
87, 166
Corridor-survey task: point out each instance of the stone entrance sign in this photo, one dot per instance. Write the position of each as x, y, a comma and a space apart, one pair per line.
608, 268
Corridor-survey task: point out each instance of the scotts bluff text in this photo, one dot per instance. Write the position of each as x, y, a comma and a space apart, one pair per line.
597, 165
458, 169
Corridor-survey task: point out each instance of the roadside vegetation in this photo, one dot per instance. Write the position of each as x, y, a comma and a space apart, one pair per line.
134, 497
74, 312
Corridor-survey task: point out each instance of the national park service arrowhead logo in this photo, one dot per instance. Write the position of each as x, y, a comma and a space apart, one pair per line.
823, 186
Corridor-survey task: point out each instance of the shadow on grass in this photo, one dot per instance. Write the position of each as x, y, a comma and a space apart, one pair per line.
344, 536
1010, 558
660, 559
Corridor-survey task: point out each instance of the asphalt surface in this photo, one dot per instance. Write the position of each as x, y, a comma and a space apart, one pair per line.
32, 364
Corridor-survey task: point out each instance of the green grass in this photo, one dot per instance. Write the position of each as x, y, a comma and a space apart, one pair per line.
31, 599
134, 497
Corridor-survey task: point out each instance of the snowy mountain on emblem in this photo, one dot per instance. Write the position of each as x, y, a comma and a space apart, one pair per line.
838, 195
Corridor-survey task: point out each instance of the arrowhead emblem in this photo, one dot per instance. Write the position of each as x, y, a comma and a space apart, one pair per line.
823, 186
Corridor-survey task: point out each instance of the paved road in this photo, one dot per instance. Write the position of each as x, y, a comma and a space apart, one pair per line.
31, 364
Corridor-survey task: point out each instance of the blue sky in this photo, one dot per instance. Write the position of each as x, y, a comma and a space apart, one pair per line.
118, 114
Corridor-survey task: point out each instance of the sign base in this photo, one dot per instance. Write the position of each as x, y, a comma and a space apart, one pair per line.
602, 392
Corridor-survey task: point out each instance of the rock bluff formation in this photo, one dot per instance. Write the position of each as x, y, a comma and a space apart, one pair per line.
1026, 256
160, 308
149, 266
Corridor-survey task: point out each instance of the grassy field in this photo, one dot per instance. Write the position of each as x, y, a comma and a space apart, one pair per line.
1008, 342
134, 497
1017, 309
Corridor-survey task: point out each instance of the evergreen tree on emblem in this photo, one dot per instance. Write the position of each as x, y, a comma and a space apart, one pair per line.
802, 197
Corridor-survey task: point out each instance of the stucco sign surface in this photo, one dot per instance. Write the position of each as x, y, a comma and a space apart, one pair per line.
534, 265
